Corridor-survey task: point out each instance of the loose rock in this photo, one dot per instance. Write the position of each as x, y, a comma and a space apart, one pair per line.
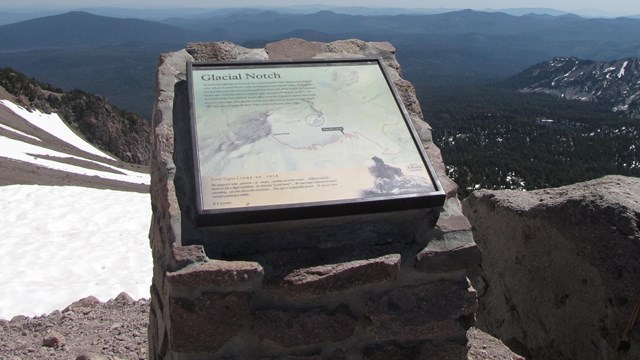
53, 339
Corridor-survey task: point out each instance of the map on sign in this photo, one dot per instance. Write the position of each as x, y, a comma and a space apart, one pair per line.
275, 135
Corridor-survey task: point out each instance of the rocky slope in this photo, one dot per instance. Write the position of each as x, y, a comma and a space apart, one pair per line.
616, 83
125, 135
85, 330
561, 268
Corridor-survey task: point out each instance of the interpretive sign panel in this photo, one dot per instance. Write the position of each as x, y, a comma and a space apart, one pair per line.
277, 141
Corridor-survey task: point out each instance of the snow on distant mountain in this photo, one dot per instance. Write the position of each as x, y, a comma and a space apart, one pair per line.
614, 82
74, 219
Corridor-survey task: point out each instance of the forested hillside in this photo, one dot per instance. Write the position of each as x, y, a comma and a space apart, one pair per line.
493, 137
124, 134
616, 83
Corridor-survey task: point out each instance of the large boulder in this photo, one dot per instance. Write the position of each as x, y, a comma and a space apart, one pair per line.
561, 267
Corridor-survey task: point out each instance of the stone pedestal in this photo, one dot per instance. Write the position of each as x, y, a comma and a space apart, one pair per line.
382, 286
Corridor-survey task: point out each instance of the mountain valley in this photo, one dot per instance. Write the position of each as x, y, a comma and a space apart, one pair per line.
116, 57
467, 66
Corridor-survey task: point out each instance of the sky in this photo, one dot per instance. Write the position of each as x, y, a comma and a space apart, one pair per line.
56, 251
611, 6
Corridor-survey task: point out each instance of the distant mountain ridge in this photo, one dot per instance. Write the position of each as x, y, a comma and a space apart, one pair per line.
614, 82
79, 28
117, 57
161, 14
460, 21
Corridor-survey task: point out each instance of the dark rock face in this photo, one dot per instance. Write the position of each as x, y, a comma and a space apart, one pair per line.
208, 321
425, 312
125, 135
291, 328
561, 266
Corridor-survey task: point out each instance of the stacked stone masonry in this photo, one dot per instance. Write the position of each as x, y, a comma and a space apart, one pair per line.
382, 286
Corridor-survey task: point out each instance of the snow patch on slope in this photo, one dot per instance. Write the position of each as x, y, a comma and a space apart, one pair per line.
62, 243
22, 151
8, 128
622, 69
53, 124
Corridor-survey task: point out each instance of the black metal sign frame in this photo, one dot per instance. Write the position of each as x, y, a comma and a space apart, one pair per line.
276, 141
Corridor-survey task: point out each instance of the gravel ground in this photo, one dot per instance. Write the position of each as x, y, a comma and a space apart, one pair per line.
85, 330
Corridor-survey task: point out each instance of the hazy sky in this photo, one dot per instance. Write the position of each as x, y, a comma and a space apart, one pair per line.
611, 6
